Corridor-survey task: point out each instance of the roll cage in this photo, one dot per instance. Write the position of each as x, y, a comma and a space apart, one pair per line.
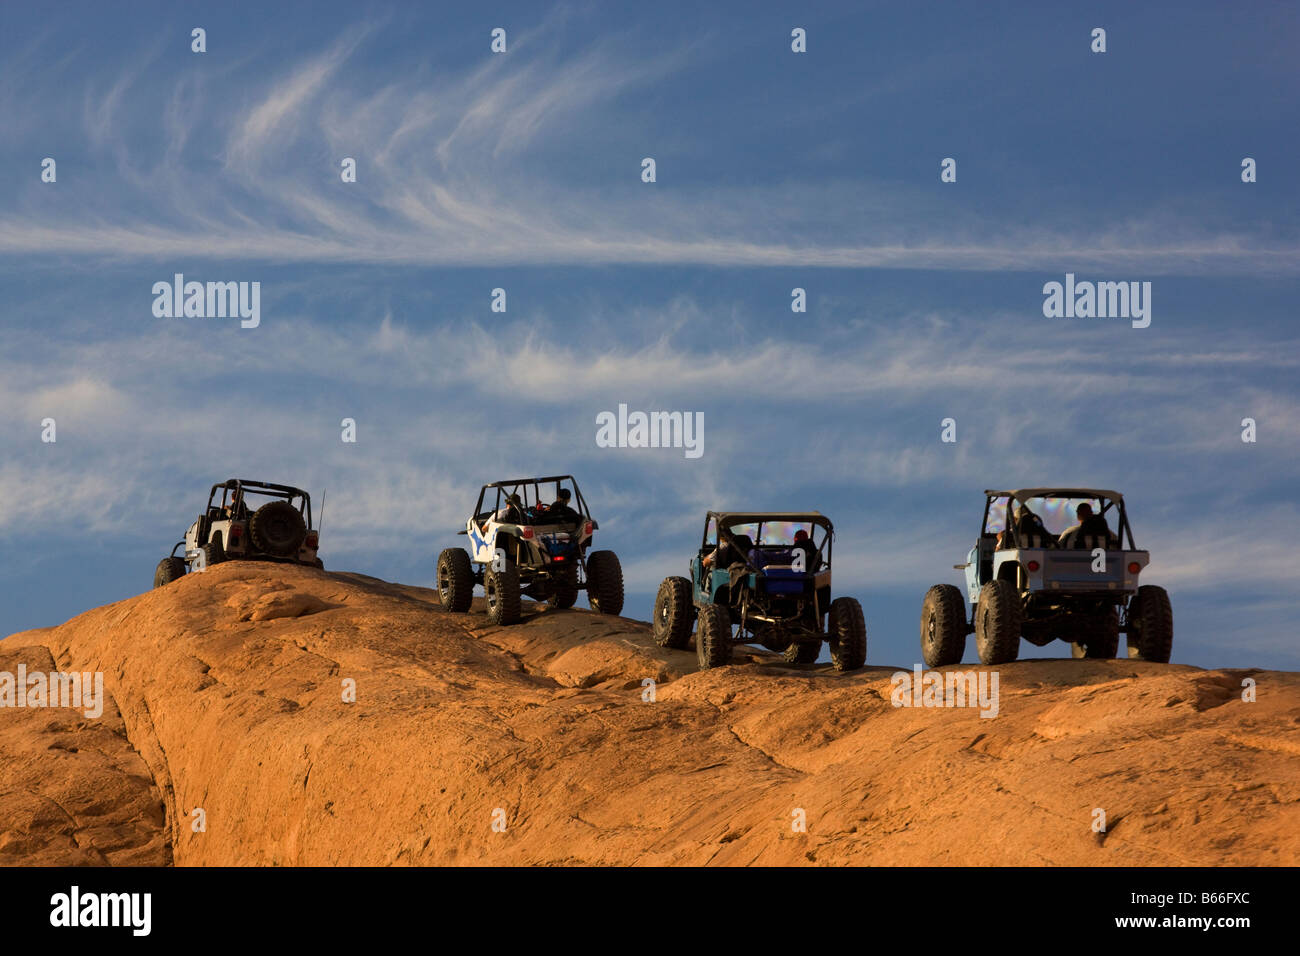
718, 526
234, 489
530, 491
1112, 502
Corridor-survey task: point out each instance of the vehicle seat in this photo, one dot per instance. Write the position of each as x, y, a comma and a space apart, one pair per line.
771, 557
1031, 533
744, 546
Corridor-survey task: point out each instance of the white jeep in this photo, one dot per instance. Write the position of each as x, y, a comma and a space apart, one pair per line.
246, 520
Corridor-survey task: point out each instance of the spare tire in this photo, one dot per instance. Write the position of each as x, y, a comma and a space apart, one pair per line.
277, 528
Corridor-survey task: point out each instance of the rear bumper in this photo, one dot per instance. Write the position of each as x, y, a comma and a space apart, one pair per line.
1077, 572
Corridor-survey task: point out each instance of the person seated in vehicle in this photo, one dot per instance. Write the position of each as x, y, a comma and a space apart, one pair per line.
558, 511
235, 508
1026, 525
811, 556
727, 553
1089, 525
513, 512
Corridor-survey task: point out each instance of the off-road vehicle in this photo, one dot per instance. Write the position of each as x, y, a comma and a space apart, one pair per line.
762, 578
1031, 576
530, 536
246, 520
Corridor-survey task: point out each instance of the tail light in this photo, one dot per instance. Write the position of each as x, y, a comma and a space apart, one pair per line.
236, 530
558, 557
1033, 566
1134, 567
528, 533
312, 540
587, 528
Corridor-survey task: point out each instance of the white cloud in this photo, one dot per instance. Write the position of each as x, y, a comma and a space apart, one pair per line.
482, 166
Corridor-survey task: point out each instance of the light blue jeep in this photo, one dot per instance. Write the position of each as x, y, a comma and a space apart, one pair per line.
1031, 576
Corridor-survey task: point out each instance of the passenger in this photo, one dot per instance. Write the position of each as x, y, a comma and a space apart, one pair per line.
804, 543
1088, 524
559, 511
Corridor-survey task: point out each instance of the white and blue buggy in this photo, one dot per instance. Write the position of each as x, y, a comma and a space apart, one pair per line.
530, 537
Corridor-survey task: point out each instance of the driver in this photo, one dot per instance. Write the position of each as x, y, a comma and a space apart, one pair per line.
513, 512
720, 555
235, 508
1026, 523
727, 553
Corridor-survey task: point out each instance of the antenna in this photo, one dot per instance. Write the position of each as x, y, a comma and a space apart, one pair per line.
320, 526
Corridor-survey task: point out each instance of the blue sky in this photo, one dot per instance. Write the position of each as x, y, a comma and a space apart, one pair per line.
774, 171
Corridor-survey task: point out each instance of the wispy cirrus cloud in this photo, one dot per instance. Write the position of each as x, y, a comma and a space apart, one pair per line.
479, 166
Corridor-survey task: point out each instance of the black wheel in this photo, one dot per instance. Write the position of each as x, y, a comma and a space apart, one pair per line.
501, 589
674, 613
604, 582
848, 634
213, 551
997, 623
1100, 639
455, 580
565, 591
713, 636
1151, 625
168, 570
943, 626
802, 652
277, 528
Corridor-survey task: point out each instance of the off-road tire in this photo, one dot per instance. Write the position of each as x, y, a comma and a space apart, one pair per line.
943, 626
997, 623
802, 652
1151, 625
1102, 638
564, 587
214, 552
847, 634
501, 591
455, 580
277, 528
713, 637
674, 613
605, 582
169, 569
